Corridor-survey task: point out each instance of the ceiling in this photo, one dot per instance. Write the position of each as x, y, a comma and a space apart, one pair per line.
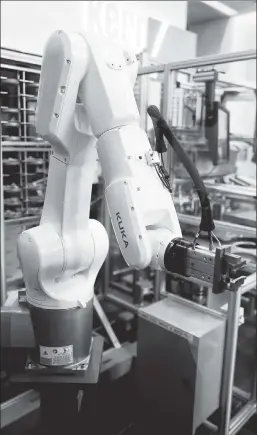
199, 12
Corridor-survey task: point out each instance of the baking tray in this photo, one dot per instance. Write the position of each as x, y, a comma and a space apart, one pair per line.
32, 138
12, 202
11, 162
10, 124
9, 81
10, 214
11, 189
32, 85
10, 110
34, 200
33, 161
33, 211
11, 138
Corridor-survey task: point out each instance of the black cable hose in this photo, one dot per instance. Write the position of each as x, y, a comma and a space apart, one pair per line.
206, 223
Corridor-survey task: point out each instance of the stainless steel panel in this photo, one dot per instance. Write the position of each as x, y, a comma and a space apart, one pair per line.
180, 355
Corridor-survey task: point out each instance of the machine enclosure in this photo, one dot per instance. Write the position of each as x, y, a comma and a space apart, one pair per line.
179, 363
63, 328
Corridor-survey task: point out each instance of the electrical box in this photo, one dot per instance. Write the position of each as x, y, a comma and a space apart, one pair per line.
179, 363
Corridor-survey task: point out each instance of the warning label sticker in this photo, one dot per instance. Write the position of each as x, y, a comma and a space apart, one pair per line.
56, 356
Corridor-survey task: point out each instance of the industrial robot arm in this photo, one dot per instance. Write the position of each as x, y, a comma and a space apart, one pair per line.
62, 256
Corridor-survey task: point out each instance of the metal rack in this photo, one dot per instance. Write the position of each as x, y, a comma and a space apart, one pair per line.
167, 74
227, 425
25, 154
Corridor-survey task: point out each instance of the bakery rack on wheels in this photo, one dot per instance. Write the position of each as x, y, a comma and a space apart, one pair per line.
24, 155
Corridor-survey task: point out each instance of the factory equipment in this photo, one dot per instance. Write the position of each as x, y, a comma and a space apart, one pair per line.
188, 379
158, 86
179, 252
202, 122
184, 89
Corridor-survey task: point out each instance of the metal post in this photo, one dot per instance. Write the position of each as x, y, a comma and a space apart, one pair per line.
159, 284
122, 303
121, 287
253, 392
106, 266
107, 326
136, 288
210, 426
229, 361
242, 417
143, 86
169, 87
3, 282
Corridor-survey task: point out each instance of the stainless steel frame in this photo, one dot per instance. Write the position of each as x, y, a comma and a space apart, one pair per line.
227, 425
170, 71
200, 62
235, 229
107, 326
2, 236
229, 362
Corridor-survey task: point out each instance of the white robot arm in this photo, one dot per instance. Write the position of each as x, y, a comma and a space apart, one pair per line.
85, 84
141, 208
62, 256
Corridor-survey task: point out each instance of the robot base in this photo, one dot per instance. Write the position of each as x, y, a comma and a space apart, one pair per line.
77, 375
63, 336
63, 396
31, 366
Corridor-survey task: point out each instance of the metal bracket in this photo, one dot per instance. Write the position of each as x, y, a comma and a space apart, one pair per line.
102, 316
226, 266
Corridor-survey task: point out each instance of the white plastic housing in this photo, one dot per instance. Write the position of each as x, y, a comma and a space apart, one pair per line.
138, 203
